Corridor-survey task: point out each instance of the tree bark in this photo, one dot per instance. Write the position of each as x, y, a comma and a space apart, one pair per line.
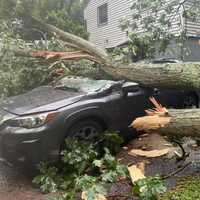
177, 122
177, 75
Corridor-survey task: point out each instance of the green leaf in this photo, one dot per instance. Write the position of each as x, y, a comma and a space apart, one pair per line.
98, 163
148, 188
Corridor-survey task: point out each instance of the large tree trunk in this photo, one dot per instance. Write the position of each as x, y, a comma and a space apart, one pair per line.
178, 75
177, 122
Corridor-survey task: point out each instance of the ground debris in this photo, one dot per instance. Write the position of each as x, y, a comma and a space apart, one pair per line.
137, 172
84, 196
149, 154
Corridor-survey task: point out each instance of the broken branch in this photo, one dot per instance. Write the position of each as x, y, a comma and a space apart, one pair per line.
185, 122
48, 55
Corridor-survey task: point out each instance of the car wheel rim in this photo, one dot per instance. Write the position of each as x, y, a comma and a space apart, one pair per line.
88, 132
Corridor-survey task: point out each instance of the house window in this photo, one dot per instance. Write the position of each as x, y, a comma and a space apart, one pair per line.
102, 14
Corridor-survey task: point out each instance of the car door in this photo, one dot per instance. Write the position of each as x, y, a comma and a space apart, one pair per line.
127, 107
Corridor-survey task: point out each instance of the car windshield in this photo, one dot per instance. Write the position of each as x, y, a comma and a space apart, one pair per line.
85, 85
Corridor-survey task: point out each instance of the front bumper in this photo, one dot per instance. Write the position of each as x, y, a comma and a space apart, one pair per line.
28, 146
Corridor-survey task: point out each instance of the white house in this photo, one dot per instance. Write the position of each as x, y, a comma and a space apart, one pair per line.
103, 24
103, 20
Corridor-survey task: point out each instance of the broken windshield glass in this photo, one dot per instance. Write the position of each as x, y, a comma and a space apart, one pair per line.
78, 84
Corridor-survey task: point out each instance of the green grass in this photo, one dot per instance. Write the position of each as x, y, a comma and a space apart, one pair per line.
188, 188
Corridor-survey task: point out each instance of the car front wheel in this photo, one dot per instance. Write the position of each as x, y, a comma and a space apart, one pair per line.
85, 130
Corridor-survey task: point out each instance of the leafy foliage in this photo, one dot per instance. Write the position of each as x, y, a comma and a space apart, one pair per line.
83, 169
78, 156
92, 186
48, 178
110, 168
187, 188
67, 15
149, 188
20, 74
110, 140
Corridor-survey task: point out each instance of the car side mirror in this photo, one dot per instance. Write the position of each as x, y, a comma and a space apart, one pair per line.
130, 88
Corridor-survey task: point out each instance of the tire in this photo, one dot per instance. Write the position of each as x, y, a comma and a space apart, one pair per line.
85, 130
72, 133
190, 101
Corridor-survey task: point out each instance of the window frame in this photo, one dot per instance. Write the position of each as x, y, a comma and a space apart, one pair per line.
99, 24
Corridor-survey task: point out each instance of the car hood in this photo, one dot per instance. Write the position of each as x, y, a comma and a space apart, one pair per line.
42, 99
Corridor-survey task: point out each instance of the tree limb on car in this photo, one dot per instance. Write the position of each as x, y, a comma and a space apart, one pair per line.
170, 75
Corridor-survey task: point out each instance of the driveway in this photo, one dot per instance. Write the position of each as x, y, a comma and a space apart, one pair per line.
14, 185
17, 185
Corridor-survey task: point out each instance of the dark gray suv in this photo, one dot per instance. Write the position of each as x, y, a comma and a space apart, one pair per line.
33, 126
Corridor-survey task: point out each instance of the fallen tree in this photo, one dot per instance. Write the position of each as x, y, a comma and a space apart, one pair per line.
179, 75
170, 75
185, 122
175, 122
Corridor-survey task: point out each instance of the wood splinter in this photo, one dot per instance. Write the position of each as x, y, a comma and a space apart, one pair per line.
184, 122
156, 118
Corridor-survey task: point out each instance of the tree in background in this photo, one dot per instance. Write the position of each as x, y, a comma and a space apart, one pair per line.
151, 29
17, 32
65, 14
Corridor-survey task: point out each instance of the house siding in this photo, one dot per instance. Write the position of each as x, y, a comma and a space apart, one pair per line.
111, 35
192, 28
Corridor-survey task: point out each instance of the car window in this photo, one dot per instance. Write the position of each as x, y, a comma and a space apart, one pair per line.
83, 84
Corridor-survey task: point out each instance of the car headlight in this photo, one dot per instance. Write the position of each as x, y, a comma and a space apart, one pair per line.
33, 121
